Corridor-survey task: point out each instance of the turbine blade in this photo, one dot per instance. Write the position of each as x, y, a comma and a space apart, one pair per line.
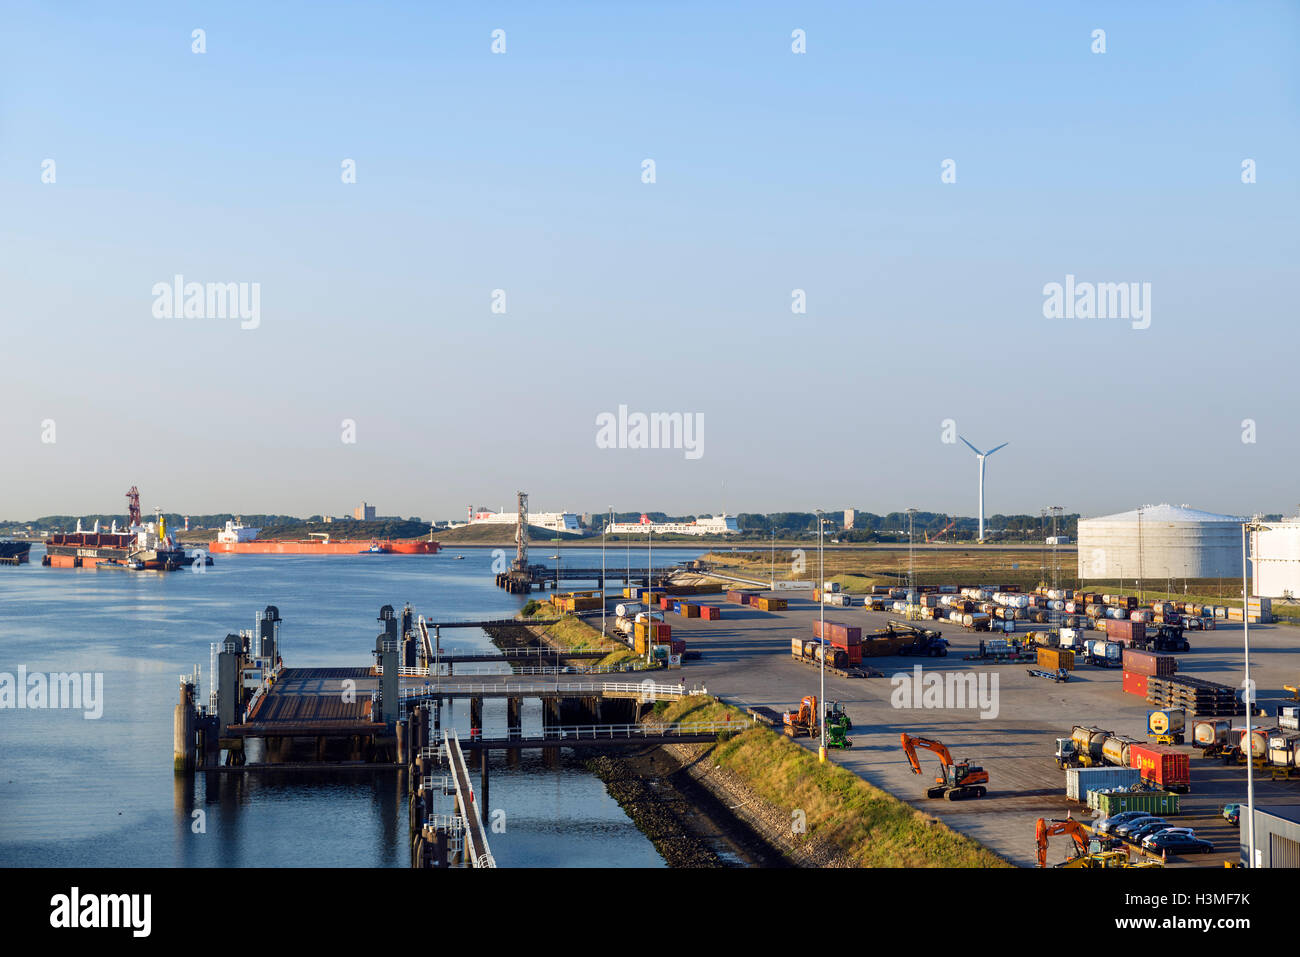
969, 446
1002, 446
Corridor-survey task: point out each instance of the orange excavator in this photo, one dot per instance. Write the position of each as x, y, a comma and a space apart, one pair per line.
804, 721
1068, 826
960, 780
1088, 853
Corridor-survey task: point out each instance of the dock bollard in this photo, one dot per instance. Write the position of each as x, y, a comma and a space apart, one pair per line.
821, 755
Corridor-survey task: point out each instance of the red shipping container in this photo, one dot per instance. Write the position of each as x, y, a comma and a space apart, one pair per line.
678, 646
1149, 663
710, 612
1125, 632
1135, 683
1165, 766
845, 636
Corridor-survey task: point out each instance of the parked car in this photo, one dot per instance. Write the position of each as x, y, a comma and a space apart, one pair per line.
1108, 824
1146, 841
1178, 842
1126, 829
1231, 813
1144, 828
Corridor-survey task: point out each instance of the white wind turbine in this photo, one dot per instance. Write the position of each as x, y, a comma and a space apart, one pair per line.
982, 457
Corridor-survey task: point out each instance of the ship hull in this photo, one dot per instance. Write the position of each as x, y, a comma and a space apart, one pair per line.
14, 553
87, 555
271, 546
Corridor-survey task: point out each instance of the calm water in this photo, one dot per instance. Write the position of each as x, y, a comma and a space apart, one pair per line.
77, 792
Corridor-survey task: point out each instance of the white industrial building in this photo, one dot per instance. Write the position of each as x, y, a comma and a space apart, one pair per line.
1275, 559
1160, 541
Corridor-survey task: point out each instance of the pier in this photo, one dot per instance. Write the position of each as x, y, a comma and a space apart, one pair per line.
390, 716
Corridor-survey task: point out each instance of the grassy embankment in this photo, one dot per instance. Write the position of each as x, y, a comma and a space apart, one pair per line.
874, 828
858, 569
575, 634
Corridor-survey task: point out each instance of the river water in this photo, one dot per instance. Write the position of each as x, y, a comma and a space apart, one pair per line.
76, 792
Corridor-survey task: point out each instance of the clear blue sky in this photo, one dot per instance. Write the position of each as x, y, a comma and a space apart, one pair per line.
522, 171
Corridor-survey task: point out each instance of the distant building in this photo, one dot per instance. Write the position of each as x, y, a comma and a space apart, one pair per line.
364, 513
850, 516
719, 525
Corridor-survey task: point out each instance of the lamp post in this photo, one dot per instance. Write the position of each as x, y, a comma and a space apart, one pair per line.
603, 533
821, 593
1250, 703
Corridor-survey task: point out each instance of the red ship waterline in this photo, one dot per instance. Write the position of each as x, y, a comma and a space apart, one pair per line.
140, 546
238, 540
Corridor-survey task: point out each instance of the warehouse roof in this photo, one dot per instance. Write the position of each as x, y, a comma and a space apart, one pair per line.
1167, 513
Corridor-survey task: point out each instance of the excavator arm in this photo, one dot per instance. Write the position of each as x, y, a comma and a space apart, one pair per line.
910, 744
1069, 826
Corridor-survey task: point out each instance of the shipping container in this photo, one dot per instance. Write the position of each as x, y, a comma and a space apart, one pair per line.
1135, 684
1162, 765
1055, 658
1282, 748
1079, 781
1126, 632
1149, 663
1148, 802
710, 612
1167, 721
1288, 717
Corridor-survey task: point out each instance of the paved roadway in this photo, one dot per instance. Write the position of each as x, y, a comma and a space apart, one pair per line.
746, 660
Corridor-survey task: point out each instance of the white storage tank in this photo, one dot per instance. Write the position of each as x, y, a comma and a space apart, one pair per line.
1176, 542
1276, 565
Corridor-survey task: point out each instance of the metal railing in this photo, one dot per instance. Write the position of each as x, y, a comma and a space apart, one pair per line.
645, 689
615, 732
481, 856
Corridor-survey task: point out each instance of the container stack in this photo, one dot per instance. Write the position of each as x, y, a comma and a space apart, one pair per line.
1205, 698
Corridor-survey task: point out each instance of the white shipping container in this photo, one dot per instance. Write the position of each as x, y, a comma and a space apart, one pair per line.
1079, 781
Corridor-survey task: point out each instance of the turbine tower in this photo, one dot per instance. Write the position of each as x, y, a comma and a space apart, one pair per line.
982, 457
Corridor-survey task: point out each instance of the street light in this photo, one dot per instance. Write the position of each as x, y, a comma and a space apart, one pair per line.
821, 594
1250, 702
603, 532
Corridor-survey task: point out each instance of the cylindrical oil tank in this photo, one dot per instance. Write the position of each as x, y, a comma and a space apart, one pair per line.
1258, 740
1175, 541
1167, 721
1115, 750
1208, 732
628, 608
1089, 740
835, 657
